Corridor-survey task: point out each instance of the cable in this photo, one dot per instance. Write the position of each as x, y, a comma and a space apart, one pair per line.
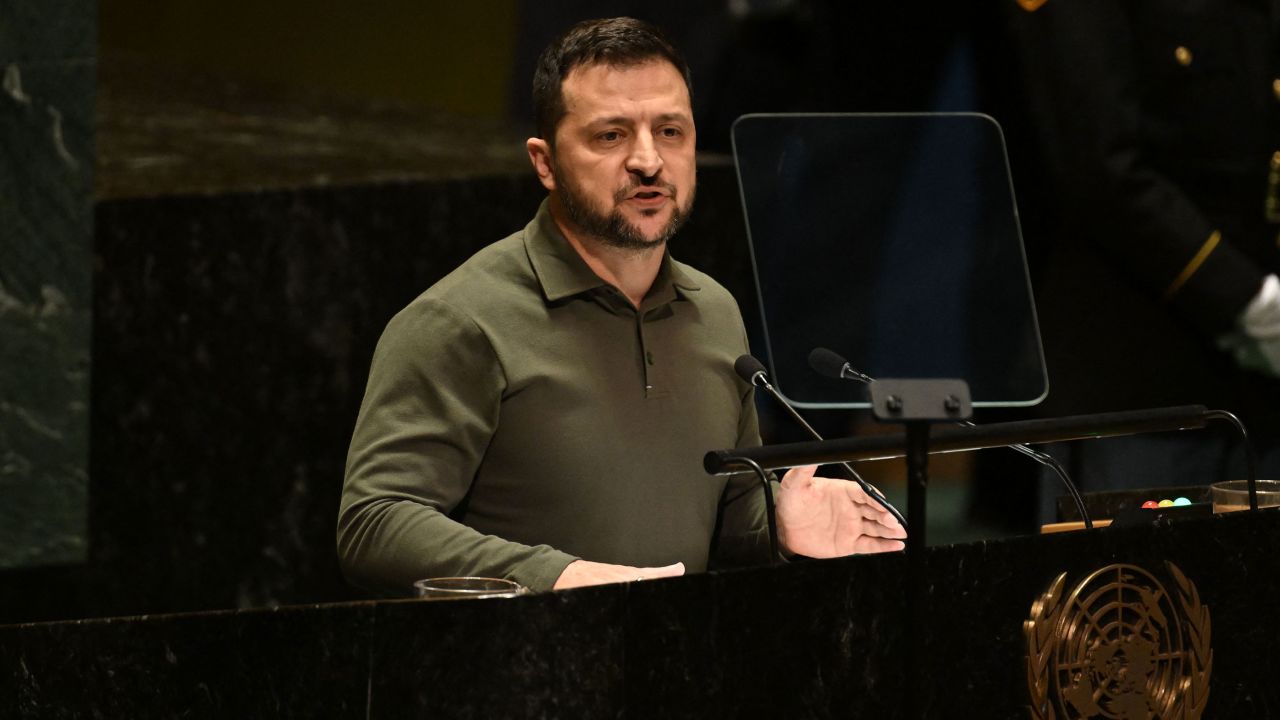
831, 364
1250, 456
752, 370
768, 507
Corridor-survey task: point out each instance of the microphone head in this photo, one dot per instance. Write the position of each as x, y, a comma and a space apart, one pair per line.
827, 362
748, 367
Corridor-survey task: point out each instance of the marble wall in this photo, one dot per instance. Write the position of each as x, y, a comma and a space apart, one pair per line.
47, 57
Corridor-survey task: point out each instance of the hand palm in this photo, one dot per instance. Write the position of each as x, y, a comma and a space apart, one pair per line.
821, 517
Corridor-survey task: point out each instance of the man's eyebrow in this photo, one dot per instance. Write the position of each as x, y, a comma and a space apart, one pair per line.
672, 117
627, 120
614, 120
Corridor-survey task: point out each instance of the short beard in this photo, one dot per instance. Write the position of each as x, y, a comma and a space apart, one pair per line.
612, 229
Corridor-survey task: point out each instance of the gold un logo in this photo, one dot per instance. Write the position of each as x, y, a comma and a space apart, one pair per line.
1119, 646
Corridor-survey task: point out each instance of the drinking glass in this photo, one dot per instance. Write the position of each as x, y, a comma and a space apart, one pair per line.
1233, 495
461, 588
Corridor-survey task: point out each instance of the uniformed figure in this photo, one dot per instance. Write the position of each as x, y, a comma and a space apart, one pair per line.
1153, 212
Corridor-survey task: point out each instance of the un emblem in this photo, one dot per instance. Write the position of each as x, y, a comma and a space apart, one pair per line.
1119, 646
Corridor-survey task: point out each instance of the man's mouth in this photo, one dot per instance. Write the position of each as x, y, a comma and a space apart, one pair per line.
649, 197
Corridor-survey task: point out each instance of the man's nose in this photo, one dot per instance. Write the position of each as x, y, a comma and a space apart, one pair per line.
644, 159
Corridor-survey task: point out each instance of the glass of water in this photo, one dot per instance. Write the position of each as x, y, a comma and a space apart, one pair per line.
461, 588
1233, 495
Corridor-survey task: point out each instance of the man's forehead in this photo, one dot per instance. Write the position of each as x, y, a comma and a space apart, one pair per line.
589, 88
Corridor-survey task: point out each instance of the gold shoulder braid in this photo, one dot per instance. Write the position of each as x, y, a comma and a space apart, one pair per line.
1203, 254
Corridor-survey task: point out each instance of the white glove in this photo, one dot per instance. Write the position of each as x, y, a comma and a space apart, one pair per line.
1256, 345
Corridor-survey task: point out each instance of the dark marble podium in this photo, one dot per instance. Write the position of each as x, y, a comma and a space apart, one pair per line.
823, 639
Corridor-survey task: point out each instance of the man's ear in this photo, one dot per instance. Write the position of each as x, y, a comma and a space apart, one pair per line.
540, 156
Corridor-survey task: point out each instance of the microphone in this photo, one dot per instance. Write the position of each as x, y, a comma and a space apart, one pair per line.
831, 364
753, 371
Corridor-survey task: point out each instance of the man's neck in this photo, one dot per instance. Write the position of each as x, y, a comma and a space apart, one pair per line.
631, 271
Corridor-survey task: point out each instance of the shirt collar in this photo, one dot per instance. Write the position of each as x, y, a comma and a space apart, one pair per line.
562, 272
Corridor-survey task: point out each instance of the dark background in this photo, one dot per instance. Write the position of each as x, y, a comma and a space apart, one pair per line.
273, 181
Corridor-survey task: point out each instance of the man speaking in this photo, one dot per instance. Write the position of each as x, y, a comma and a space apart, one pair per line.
541, 413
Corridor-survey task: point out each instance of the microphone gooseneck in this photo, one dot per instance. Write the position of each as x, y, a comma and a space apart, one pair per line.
753, 371
831, 364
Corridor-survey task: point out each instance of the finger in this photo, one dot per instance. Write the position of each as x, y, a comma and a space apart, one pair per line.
866, 501
868, 545
854, 492
884, 531
673, 570
893, 525
802, 475
869, 510
876, 513
873, 511
881, 519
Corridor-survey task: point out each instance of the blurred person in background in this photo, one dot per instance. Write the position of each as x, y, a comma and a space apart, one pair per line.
1148, 181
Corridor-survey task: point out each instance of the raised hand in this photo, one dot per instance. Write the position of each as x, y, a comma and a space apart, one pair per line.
823, 517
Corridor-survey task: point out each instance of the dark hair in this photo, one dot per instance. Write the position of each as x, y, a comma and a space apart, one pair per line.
619, 42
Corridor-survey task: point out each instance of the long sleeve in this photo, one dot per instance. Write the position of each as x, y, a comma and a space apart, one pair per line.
743, 531
1119, 102
429, 412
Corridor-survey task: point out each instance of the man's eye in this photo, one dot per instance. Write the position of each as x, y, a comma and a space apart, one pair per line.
610, 136
670, 132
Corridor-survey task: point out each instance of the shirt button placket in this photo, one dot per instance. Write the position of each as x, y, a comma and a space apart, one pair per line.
646, 355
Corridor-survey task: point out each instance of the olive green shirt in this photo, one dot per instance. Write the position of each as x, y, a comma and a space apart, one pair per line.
521, 413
